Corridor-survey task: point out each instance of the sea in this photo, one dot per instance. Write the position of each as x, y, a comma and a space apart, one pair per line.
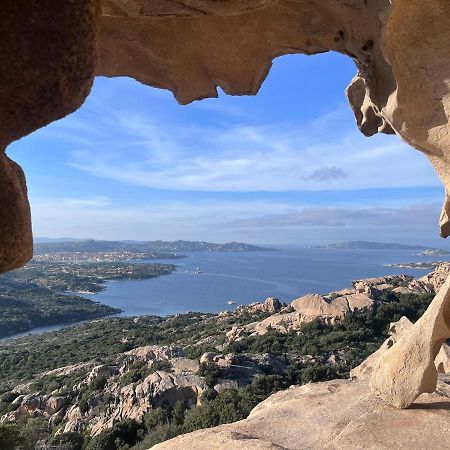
208, 281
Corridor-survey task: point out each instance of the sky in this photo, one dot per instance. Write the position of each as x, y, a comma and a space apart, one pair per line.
287, 166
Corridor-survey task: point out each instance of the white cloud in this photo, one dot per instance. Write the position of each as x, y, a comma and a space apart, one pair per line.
412, 216
251, 221
139, 150
91, 202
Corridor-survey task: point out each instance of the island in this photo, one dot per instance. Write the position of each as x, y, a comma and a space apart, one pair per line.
416, 265
368, 245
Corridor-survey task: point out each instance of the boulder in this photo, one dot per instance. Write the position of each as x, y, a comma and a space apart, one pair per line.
312, 306
208, 357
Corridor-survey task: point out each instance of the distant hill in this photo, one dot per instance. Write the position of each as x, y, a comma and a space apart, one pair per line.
94, 246
39, 240
367, 245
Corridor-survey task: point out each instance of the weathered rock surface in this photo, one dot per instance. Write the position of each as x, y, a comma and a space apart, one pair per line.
407, 369
305, 309
335, 305
433, 281
270, 305
135, 400
48, 59
193, 46
337, 415
119, 401
117, 398
16, 241
396, 331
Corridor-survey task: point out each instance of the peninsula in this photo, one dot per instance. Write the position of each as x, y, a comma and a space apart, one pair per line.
368, 245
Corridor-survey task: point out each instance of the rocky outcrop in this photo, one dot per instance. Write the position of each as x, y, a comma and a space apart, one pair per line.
105, 394
137, 399
407, 369
333, 306
112, 400
396, 331
337, 415
435, 280
16, 242
48, 62
35, 405
305, 309
270, 305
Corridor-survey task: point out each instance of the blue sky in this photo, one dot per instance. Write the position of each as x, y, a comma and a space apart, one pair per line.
285, 167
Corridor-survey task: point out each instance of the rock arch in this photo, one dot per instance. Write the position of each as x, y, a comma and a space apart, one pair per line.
52, 50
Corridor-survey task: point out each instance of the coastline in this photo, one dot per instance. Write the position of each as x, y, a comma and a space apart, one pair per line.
225, 272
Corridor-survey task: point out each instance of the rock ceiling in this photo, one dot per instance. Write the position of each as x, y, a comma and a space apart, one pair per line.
51, 53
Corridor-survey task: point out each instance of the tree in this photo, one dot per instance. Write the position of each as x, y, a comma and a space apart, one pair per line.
10, 437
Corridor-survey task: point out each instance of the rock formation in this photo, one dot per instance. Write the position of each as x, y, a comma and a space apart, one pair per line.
333, 306
48, 59
49, 64
396, 331
119, 397
130, 400
332, 415
400, 48
407, 369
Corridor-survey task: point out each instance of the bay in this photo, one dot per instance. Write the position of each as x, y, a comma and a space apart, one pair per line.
206, 281
248, 277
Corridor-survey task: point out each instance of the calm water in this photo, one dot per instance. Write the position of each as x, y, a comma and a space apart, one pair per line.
246, 277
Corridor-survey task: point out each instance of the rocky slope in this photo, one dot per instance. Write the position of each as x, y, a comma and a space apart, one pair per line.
94, 396
338, 414
335, 305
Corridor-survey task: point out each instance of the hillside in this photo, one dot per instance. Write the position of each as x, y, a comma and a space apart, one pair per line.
139, 381
95, 246
44, 293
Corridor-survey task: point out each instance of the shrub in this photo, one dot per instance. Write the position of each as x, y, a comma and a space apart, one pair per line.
211, 373
68, 441
122, 436
99, 383
10, 437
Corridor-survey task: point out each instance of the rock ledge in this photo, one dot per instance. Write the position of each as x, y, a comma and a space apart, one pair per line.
338, 414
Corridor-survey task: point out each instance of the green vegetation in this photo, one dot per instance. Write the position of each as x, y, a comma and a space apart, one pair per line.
39, 294
23, 435
306, 354
23, 358
84, 277
25, 305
